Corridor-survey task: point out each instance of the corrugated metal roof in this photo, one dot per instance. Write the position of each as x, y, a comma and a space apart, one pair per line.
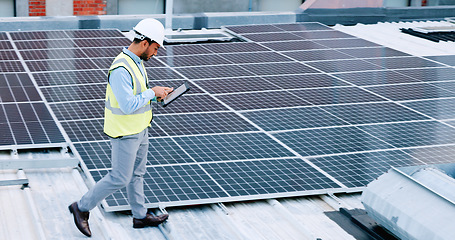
40, 210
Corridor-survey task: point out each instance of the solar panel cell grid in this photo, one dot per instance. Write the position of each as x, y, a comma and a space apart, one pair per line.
228, 147
45, 44
231, 85
262, 100
382, 77
207, 123
256, 57
8, 55
5, 45
72, 93
349, 65
303, 26
327, 141
254, 29
316, 55
78, 110
271, 37
11, 66
411, 91
373, 113
346, 43
305, 81
61, 64
293, 118
278, 68
70, 77
357, 170
403, 62
38, 35
430, 74
218, 71
267, 176
52, 54
195, 60
341, 95
235, 47
102, 33
412, 134
438, 108
322, 35
433, 155
192, 103
294, 45
376, 52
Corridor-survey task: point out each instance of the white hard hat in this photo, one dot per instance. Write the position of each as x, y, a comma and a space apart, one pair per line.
150, 28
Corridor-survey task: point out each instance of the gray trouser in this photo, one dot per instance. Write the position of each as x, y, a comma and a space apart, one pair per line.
129, 157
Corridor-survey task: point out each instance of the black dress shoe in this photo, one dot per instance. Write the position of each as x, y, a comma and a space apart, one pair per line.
80, 219
150, 220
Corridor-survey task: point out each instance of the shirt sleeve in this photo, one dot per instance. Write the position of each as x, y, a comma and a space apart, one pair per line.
122, 87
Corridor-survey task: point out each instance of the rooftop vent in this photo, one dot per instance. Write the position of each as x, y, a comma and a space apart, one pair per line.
414, 202
435, 34
195, 36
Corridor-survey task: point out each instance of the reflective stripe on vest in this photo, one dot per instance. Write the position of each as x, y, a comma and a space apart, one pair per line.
116, 122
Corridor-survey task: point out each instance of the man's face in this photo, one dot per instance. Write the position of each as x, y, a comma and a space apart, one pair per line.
150, 51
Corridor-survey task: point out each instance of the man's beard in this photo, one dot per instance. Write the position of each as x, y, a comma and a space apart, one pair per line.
144, 57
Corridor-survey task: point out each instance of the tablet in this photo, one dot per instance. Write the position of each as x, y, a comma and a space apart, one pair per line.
185, 87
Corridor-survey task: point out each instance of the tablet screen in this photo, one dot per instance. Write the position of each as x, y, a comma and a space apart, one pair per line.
175, 94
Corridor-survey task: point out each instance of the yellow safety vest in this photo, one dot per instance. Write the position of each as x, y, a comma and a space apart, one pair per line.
117, 123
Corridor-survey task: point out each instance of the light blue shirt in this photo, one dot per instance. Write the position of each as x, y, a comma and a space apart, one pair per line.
122, 87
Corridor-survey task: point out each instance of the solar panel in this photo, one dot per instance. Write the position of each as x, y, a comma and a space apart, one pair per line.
412, 134
446, 59
373, 113
322, 34
97, 155
218, 71
278, 68
11, 66
411, 91
28, 123
357, 170
254, 109
325, 96
206, 123
8, 55
293, 118
316, 55
229, 147
294, 45
437, 108
78, 110
38, 35
376, 52
52, 54
61, 64
92, 130
173, 183
403, 62
246, 178
45, 44
72, 93
348, 65
255, 57
271, 37
382, 77
305, 81
196, 60
433, 155
335, 140
430, 74
231, 85
262, 100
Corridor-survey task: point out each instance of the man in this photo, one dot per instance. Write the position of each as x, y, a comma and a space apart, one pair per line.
127, 116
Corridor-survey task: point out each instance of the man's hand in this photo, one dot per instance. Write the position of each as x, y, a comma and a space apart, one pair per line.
161, 92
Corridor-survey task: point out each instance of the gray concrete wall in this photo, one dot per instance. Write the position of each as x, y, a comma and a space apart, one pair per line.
59, 7
21, 8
